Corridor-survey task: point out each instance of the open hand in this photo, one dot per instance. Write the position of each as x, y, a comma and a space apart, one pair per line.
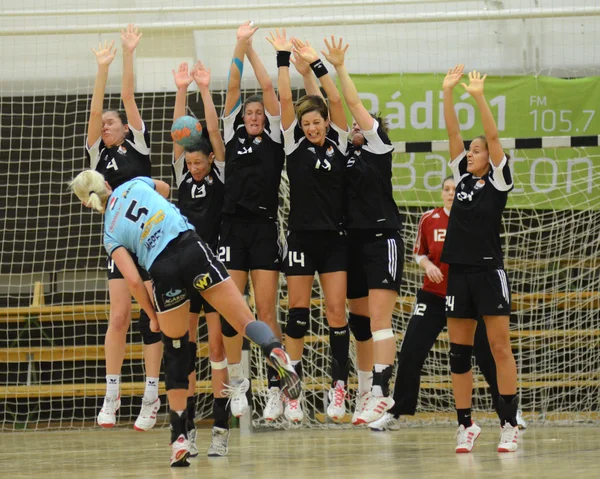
130, 37
335, 54
475, 86
182, 76
453, 77
105, 54
245, 31
201, 75
305, 51
280, 41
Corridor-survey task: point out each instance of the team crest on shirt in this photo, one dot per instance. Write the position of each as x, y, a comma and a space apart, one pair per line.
480, 184
202, 281
189, 180
312, 149
329, 152
241, 140
257, 140
209, 180
122, 150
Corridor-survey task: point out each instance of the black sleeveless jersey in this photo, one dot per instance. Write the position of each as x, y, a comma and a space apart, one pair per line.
316, 175
369, 195
122, 163
473, 235
201, 201
253, 166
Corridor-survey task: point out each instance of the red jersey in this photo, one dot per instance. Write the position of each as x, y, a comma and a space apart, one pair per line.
429, 243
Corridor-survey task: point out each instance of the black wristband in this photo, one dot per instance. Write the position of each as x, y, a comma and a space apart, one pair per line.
318, 68
283, 59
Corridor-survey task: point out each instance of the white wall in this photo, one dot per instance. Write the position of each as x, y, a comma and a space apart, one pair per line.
45, 45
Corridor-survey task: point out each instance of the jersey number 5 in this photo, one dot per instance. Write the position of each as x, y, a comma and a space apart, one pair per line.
131, 214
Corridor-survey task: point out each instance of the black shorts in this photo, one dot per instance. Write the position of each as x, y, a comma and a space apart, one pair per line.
375, 261
198, 303
307, 252
476, 290
185, 268
430, 306
247, 244
114, 273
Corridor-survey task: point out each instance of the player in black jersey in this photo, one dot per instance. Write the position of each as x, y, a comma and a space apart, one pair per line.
315, 150
375, 247
200, 178
249, 235
118, 146
477, 282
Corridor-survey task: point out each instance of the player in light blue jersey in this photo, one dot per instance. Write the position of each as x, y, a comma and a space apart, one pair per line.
139, 221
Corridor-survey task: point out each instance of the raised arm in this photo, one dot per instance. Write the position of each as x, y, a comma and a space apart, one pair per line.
182, 82
475, 89
129, 40
450, 81
162, 188
335, 55
308, 77
233, 95
283, 46
202, 78
336, 108
104, 57
269, 96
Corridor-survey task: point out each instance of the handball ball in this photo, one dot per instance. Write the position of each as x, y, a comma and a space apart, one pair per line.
186, 130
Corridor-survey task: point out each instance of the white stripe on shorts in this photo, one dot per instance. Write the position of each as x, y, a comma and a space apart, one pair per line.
504, 284
392, 257
210, 261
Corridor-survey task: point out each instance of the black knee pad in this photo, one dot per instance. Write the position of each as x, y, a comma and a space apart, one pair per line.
193, 346
148, 336
298, 323
176, 358
460, 358
360, 326
227, 329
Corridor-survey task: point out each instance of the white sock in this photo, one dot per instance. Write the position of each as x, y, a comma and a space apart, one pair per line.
365, 381
112, 385
151, 391
235, 371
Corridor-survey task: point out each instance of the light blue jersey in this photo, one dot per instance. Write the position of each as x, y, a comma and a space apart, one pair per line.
141, 220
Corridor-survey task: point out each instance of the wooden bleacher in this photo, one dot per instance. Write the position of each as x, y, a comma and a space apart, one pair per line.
524, 339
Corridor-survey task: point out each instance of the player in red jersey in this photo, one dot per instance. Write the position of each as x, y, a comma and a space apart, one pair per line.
429, 318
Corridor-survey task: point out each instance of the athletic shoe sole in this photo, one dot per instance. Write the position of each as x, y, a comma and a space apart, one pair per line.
181, 460
292, 385
464, 450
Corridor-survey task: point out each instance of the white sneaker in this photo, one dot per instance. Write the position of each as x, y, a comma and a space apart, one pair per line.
147, 417
337, 402
374, 409
465, 437
509, 436
359, 406
218, 446
387, 423
192, 447
520, 421
236, 392
108, 414
293, 410
274, 407
180, 452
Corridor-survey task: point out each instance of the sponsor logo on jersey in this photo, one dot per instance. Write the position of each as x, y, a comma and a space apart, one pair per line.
437, 215
462, 196
257, 140
242, 140
189, 180
122, 150
329, 152
202, 281
152, 241
173, 297
209, 180
312, 149
152, 221
113, 202
480, 184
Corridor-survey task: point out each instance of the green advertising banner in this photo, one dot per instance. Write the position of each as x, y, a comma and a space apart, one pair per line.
524, 107
552, 178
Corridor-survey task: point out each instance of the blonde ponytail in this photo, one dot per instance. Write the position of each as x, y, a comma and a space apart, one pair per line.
89, 186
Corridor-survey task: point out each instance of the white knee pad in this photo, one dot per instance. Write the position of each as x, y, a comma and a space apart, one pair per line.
383, 334
218, 365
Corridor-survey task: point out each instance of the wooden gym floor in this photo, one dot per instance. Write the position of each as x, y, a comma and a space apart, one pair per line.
548, 452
